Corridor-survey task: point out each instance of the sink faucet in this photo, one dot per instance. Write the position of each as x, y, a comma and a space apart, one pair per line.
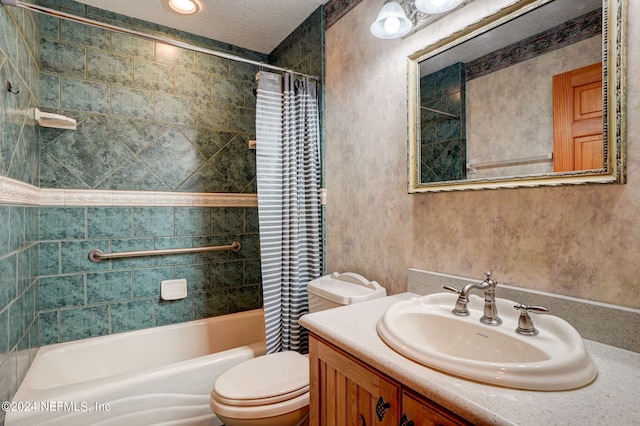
490, 316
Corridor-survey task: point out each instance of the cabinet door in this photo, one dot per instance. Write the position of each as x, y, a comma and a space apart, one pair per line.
418, 411
345, 392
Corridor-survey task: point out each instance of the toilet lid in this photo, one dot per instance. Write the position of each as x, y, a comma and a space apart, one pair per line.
264, 380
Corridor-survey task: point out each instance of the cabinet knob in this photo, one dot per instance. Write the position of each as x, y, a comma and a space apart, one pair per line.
406, 422
361, 417
381, 408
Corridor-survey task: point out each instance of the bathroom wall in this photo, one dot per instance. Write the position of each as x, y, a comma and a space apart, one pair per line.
579, 241
18, 222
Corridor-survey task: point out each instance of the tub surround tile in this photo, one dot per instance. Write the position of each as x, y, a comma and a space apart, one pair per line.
133, 46
62, 58
73, 32
128, 102
61, 291
109, 68
53, 172
49, 260
198, 276
134, 171
74, 256
49, 325
109, 222
172, 157
211, 303
225, 274
135, 133
173, 109
8, 280
153, 76
153, 221
211, 114
129, 316
174, 311
172, 55
192, 221
245, 298
193, 84
4, 334
84, 95
62, 223
146, 281
108, 287
82, 323
132, 285
212, 64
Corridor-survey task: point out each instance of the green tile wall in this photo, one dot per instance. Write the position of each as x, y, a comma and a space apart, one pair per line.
150, 116
80, 299
19, 45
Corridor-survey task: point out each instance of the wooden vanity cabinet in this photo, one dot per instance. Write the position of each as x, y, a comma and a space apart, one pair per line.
346, 392
423, 412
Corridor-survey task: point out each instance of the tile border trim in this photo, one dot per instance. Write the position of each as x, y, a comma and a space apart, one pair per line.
17, 192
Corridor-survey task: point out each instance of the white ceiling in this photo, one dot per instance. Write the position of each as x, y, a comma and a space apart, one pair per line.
258, 25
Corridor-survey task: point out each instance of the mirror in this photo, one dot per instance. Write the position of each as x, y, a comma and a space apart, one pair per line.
530, 96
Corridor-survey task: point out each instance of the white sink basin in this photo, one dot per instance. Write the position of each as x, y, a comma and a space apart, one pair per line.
425, 330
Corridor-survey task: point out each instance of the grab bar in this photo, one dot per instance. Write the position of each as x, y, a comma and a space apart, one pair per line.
544, 158
96, 255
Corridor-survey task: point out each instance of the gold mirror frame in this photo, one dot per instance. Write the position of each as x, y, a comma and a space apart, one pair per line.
613, 90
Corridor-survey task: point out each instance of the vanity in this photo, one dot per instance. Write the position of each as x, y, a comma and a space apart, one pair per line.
355, 376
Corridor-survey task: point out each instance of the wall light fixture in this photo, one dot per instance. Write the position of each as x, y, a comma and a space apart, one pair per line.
398, 18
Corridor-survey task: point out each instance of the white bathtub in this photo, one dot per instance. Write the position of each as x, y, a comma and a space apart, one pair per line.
157, 376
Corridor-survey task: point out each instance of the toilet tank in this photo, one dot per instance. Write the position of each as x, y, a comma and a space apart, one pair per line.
335, 290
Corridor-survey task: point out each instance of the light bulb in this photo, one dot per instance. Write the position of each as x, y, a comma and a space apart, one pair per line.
183, 6
391, 25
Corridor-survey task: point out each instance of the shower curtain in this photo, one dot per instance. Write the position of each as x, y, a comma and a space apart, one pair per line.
288, 177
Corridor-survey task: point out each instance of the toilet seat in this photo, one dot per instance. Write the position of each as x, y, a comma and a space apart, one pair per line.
263, 387
259, 411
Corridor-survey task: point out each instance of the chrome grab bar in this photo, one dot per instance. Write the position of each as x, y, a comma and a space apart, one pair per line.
96, 255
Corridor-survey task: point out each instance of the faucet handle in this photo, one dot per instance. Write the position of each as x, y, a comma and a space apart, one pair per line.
488, 280
452, 289
525, 325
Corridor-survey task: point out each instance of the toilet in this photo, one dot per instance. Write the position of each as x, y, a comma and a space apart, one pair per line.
273, 390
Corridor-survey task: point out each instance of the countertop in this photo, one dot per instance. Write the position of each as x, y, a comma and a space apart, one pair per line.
611, 399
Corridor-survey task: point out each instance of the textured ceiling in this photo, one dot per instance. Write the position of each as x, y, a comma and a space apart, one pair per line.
258, 25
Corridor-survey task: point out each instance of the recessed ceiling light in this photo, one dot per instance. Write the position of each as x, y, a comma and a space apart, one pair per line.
185, 7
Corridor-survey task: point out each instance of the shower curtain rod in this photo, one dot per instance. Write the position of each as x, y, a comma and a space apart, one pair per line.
176, 43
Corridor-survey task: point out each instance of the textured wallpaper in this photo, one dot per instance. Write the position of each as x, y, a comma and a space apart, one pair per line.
580, 241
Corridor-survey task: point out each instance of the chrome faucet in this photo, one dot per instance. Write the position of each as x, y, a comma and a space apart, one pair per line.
490, 316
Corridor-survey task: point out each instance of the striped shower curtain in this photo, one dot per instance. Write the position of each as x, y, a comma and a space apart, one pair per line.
288, 175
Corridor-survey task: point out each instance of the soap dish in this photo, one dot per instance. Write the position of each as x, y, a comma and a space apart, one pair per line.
173, 289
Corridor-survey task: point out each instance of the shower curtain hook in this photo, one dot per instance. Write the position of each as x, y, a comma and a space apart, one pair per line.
10, 88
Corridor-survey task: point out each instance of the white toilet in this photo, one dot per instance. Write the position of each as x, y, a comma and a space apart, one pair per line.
273, 390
